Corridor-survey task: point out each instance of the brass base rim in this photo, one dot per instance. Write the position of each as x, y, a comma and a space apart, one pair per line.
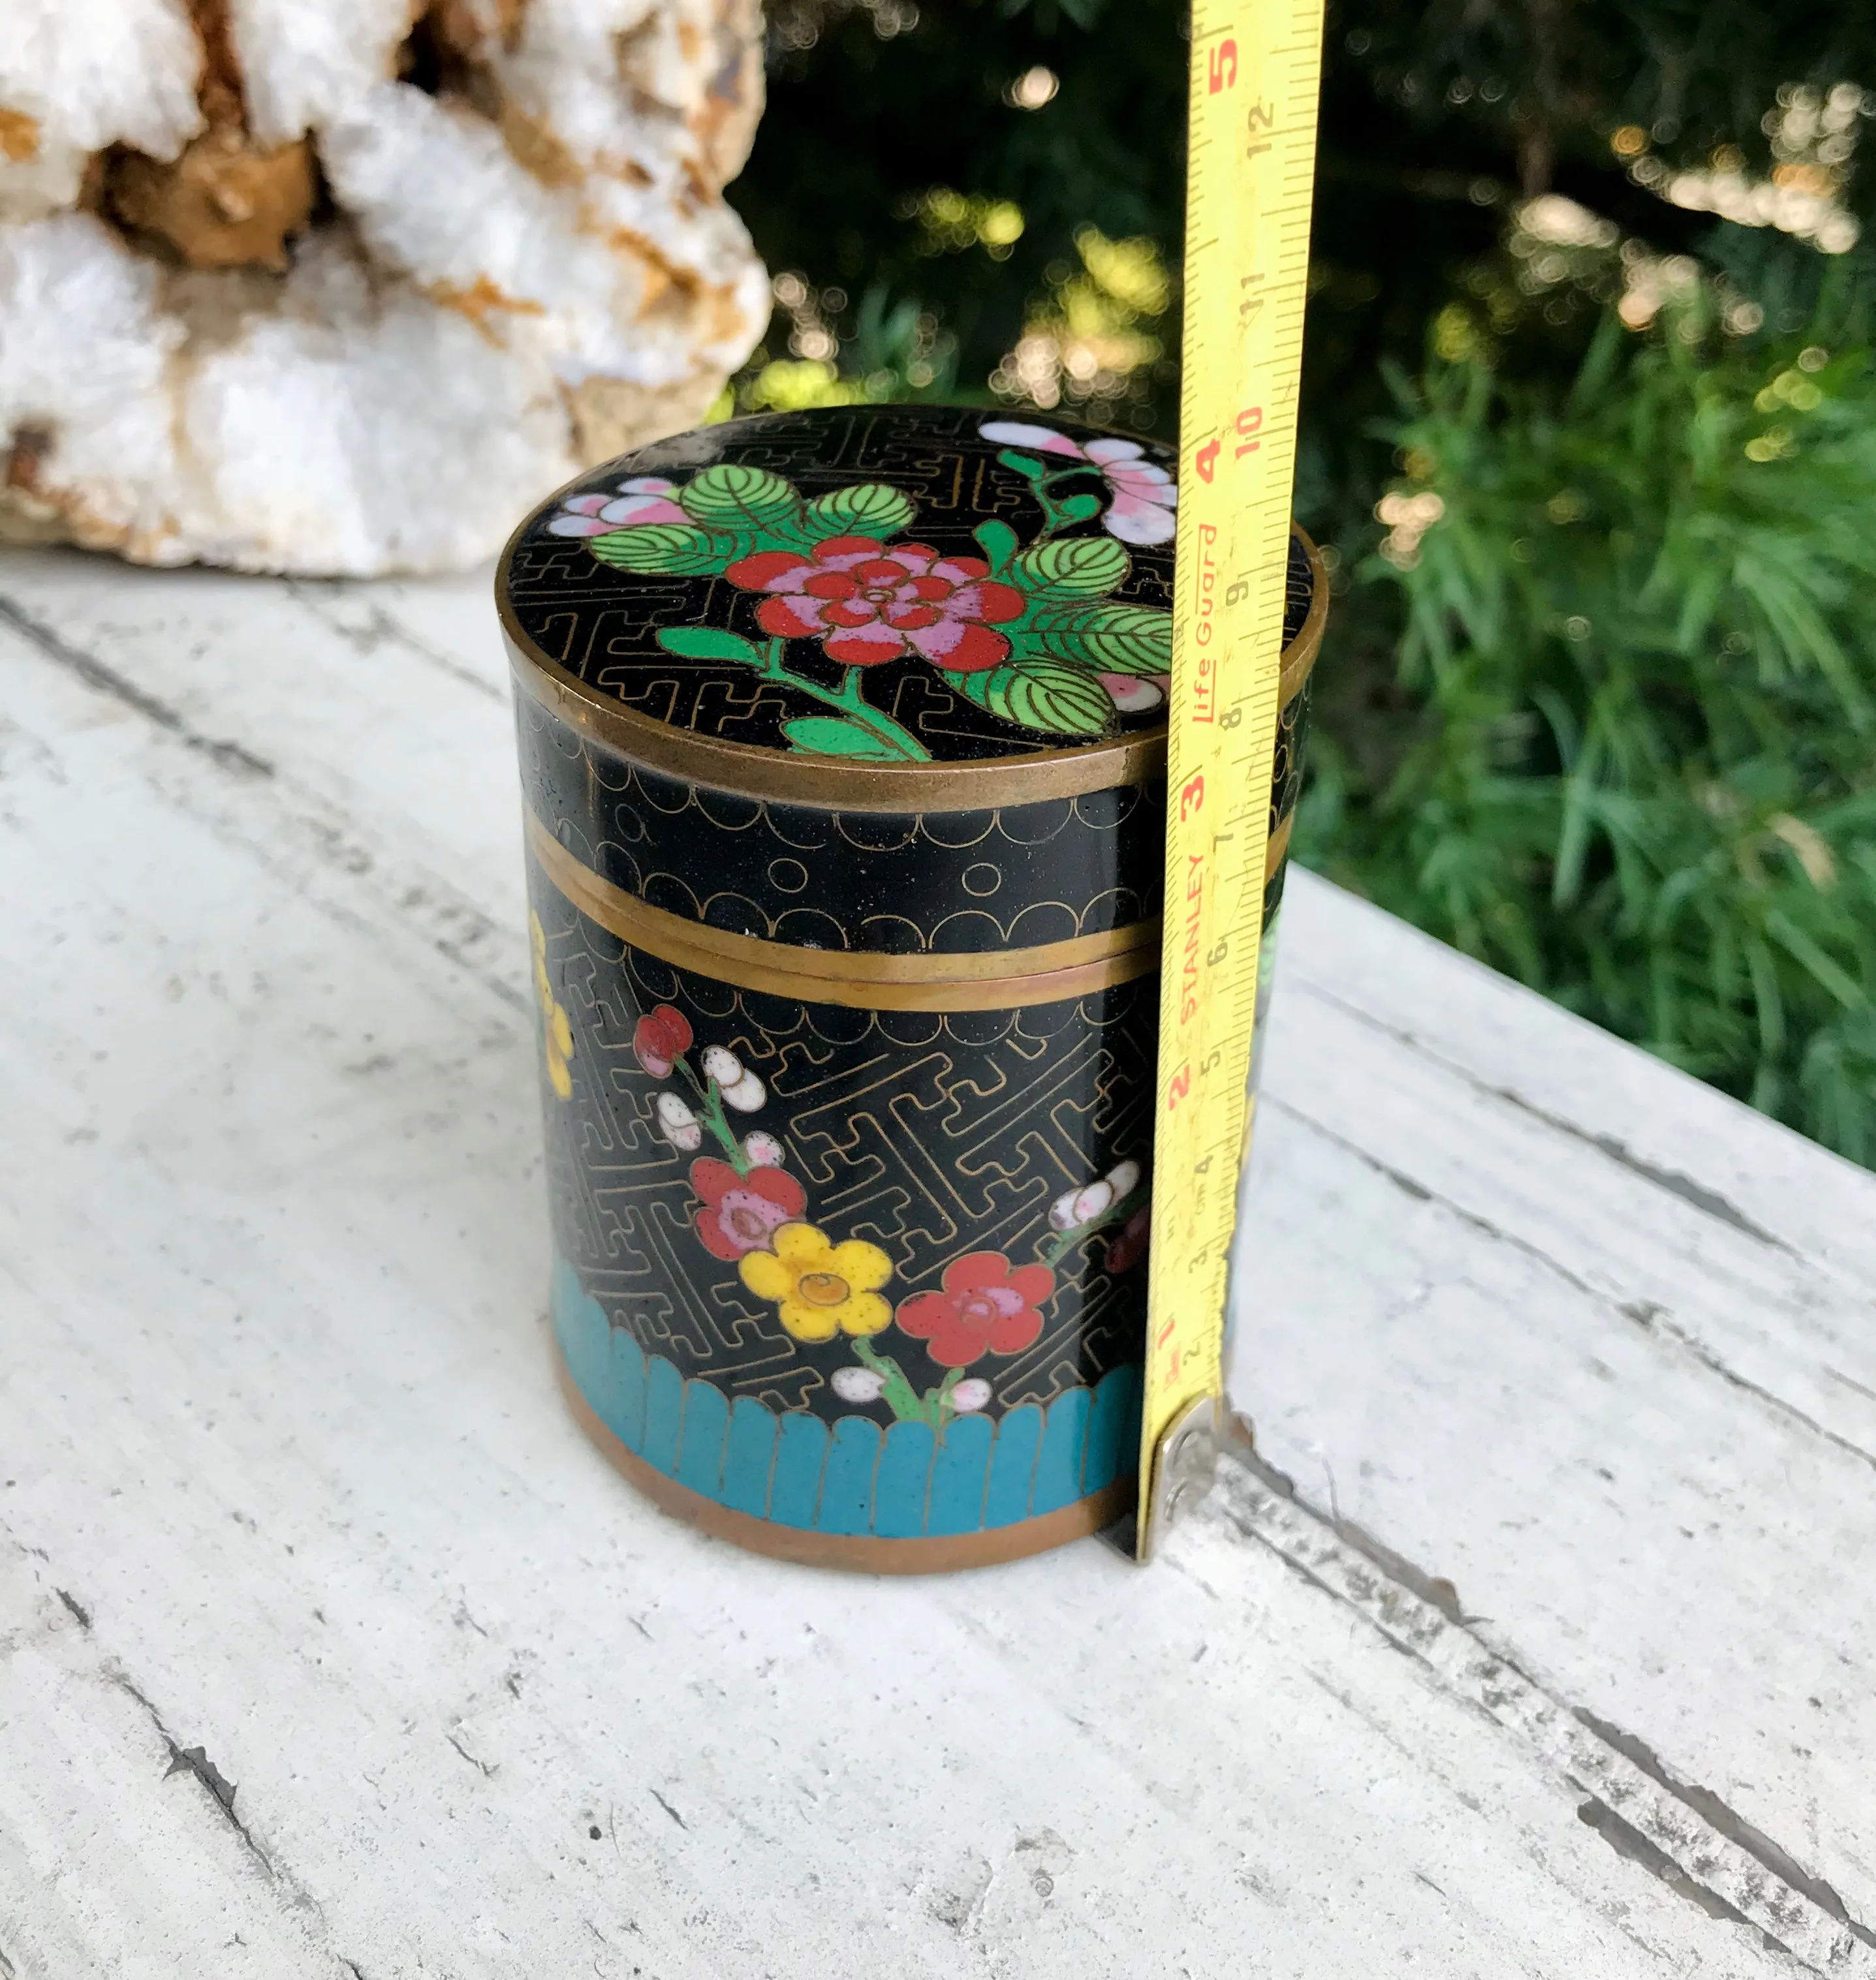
864, 1553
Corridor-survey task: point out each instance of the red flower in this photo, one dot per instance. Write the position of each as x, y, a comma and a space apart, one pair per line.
1128, 1246
984, 1305
660, 1038
866, 604
743, 1213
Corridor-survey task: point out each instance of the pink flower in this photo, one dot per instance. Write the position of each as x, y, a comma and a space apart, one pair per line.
660, 1038
1144, 494
866, 604
741, 1214
643, 498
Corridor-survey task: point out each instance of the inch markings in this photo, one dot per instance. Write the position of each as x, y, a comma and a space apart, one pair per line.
1255, 73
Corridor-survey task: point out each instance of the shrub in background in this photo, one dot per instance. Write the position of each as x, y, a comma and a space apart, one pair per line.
1640, 657
1589, 433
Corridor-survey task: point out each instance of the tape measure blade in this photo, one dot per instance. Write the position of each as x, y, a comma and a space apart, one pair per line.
1252, 106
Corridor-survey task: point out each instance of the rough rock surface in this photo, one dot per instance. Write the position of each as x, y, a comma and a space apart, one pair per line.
345, 286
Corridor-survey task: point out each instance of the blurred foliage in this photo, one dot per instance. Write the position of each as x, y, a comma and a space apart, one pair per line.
898, 160
1589, 433
1636, 769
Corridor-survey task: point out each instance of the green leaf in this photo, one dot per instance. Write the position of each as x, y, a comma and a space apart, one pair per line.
729, 497
998, 541
709, 642
869, 508
1051, 696
1111, 639
1797, 943
1085, 567
1079, 508
834, 736
661, 549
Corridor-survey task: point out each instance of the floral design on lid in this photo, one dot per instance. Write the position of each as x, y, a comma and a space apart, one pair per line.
1144, 495
866, 604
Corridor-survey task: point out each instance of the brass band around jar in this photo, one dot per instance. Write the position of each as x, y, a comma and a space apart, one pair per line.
998, 979
844, 741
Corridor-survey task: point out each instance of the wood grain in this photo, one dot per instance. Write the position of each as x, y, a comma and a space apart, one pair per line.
1540, 1646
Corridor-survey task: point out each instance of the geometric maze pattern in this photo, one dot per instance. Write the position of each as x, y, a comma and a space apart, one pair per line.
928, 1134
1286, 767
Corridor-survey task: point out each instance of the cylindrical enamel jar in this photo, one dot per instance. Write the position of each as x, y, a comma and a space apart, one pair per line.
842, 746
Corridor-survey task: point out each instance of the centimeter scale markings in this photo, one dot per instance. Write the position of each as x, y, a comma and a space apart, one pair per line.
1255, 72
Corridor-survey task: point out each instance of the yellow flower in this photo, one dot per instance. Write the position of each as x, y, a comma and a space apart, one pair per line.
558, 1040
821, 1288
557, 1032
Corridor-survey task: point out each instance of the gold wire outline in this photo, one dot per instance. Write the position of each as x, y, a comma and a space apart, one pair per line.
833, 784
1001, 979
931, 1554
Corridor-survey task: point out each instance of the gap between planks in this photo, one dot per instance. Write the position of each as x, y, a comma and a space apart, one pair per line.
1678, 1832
1726, 1867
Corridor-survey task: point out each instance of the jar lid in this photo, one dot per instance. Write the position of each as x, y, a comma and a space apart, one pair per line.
868, 607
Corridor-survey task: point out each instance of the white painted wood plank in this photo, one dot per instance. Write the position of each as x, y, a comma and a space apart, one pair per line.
386, 707
1609, 1417
284, 1437
383, 756
328, 1126
1633, 1109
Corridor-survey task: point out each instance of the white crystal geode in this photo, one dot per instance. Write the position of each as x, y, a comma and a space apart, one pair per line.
345, 286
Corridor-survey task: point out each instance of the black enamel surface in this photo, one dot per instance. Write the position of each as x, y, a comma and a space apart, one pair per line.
892, 882
930, 1136
601, 624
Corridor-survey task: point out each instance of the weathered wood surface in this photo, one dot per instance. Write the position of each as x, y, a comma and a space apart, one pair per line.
328, 1647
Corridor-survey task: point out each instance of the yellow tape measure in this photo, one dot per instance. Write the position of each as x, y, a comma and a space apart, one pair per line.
1255, 72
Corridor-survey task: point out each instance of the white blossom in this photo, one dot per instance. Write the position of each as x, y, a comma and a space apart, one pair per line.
722, 1065
1090, 1202
746, 1094
676, 1122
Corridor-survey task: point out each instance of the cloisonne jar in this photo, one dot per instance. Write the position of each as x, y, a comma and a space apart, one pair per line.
842, 746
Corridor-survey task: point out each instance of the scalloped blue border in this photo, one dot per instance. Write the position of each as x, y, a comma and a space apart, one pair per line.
849, 1475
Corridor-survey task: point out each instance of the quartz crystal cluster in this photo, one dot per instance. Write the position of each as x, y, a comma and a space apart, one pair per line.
345, 286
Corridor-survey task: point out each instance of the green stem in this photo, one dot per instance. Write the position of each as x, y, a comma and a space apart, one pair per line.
899, 1395
717, 1121
847, 698
938, 1400
876, 721
1043, 483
